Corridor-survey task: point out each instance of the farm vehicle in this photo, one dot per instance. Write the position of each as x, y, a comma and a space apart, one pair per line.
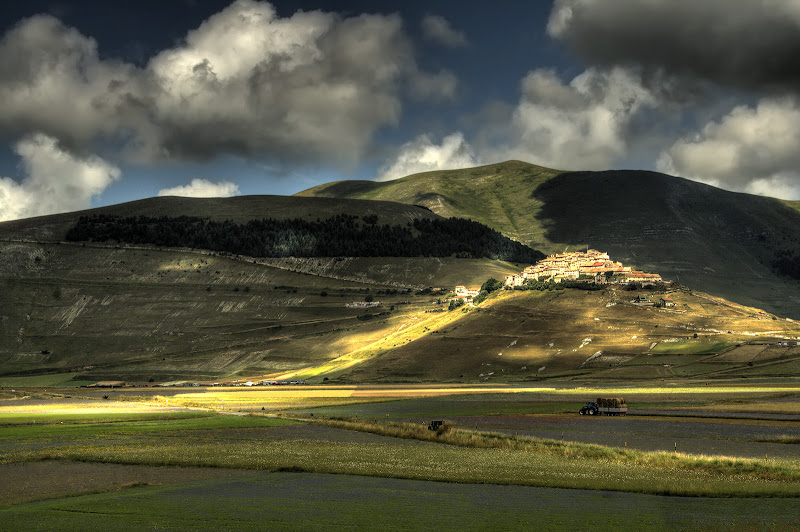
614, 406
439, 427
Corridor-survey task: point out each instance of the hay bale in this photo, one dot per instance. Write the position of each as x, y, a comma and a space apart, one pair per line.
610, 402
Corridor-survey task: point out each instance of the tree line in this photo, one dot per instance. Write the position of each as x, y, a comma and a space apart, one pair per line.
343, 235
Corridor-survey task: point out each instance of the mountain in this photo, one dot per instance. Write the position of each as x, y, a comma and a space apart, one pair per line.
89, 311
742, 247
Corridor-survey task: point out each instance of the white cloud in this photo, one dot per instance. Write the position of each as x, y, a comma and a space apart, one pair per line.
575, 126
309, 88
749, 150
423, 155
55, 180
202, 188
437, 28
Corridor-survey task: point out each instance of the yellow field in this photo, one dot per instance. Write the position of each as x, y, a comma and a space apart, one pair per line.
282, 397
77, 407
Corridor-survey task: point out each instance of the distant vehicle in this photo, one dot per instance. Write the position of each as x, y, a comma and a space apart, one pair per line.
614, 406
436, 425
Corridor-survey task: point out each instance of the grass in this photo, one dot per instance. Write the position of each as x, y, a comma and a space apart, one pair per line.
572, 466
291, 501
482, 440
785, 438
130, 426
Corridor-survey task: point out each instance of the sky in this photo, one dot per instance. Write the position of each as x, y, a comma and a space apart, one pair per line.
106, 102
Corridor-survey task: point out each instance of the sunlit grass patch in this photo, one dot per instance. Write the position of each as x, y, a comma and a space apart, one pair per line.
77, 407
783, 438
269, 399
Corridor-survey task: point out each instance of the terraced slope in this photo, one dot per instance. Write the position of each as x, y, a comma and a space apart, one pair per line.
574, 334
107, 312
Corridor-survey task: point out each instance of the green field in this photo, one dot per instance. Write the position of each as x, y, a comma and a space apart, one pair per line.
242, 443
506, 445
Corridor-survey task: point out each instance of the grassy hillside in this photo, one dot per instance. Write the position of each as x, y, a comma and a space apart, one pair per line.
497, 195
793, 204
707, 238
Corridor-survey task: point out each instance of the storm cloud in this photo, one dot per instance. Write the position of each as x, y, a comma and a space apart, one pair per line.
737, 43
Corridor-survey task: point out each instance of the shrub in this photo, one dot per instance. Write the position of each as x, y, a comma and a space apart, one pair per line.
491, 285
455, 303
481, 297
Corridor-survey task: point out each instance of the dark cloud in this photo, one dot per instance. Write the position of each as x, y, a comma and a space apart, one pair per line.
739, 43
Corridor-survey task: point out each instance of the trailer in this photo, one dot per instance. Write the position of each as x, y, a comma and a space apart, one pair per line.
614, 406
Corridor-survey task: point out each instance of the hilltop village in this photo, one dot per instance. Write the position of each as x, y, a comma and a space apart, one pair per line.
591, 266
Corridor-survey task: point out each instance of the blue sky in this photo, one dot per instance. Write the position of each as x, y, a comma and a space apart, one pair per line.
106, 102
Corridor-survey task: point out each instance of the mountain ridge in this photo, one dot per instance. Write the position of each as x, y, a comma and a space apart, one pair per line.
722, 242
238, 209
